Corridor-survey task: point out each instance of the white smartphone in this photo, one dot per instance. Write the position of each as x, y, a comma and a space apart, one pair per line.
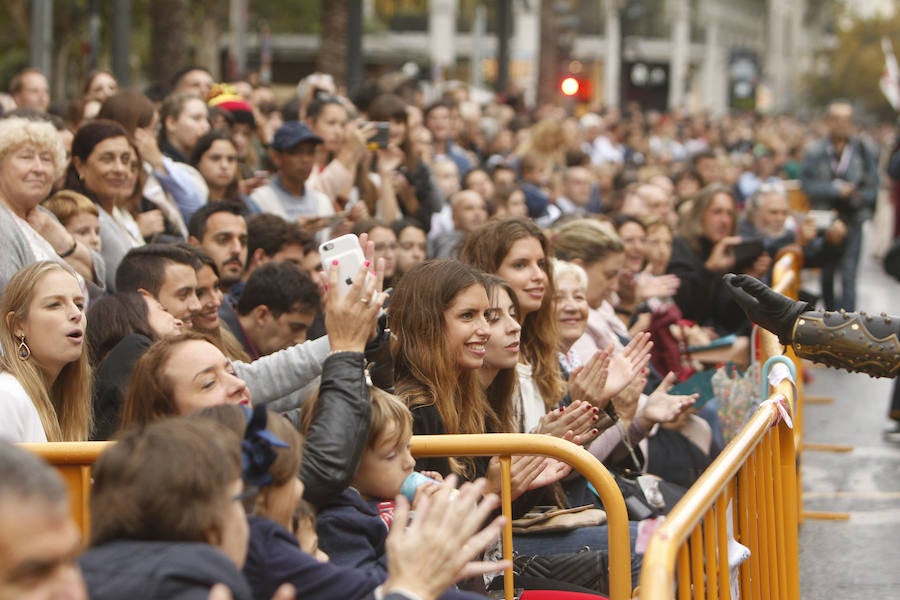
349, 254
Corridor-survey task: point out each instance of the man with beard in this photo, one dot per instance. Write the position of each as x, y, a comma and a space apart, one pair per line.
767, 219
220, 230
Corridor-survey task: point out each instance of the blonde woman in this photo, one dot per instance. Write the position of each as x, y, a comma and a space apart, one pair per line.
45, 377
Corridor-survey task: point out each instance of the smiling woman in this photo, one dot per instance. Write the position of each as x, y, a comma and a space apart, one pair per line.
180, 376
45, 379
102, 169
31, 159
438, 318
518, 251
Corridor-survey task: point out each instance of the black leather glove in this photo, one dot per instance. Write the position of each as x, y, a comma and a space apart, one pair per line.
770, 310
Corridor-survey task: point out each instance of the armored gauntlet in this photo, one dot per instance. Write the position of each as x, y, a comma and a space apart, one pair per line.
854, 341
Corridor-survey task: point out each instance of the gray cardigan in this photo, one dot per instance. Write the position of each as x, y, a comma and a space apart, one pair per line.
15, 253
282, 374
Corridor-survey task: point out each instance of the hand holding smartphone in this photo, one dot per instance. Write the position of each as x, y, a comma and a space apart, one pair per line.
747, 251
349, 254
382, 136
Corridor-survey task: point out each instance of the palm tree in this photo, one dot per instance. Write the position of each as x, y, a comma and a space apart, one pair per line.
169, 23
333, 46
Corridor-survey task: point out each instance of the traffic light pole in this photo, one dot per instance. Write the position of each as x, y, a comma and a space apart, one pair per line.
354, 46
41, 35
121, 46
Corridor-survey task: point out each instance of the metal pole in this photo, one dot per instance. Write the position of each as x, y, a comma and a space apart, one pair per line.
504, 33
479, 27
41, 35
237, 16
354, 46
121, 42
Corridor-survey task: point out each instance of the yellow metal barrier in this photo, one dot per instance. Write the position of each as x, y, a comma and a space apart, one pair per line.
507, 445
786, 280
756, 475
754, 482
74, 461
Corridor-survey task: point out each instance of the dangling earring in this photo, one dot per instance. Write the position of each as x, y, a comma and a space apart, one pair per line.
24, 350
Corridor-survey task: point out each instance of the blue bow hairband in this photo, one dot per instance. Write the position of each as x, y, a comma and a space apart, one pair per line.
258, 448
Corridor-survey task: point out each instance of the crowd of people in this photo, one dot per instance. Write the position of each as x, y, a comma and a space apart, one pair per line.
525, 271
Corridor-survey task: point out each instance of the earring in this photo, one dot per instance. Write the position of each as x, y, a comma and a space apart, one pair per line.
24, 350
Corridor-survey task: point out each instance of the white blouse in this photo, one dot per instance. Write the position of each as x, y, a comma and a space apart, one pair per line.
19, 419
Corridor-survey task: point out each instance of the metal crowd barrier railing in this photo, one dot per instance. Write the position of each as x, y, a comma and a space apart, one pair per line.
74, 460
749, 496
507, 445
737, 526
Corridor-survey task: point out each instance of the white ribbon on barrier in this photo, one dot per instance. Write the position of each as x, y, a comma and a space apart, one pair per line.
777, 373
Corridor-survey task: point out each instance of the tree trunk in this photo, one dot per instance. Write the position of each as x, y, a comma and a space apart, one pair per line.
169, 22
208, 45
548, 60
333, 47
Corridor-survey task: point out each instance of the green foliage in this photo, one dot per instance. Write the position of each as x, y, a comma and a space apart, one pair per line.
286, 16
852, 68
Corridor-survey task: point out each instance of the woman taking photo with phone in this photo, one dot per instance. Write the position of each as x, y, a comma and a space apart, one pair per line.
702, 252
417, 194
342, 151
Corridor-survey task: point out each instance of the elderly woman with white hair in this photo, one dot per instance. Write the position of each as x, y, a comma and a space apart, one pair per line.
31, 159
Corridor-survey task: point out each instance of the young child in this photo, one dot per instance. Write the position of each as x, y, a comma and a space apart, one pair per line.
78, 215
353, 526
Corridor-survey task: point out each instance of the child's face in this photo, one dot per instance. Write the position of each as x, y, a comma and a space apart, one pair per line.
309, 539
85, 228
384, 468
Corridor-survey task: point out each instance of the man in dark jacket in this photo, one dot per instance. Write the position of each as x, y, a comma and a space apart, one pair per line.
840, 172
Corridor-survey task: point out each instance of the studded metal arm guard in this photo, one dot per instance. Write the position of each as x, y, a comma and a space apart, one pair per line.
853, 341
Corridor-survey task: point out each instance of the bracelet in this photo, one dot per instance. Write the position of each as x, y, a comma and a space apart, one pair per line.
70, 251
333, 352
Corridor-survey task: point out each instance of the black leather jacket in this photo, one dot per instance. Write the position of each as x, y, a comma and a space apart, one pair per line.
337, 436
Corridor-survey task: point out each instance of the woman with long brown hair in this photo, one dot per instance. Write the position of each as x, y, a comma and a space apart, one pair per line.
518, 251
438, 320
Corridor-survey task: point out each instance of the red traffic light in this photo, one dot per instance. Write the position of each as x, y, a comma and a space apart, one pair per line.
569, 86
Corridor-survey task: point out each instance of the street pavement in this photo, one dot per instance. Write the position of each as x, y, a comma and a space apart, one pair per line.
858, 558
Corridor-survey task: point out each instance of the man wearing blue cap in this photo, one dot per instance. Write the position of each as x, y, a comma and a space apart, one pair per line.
293, 152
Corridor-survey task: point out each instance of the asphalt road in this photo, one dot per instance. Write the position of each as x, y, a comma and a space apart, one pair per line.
858, 558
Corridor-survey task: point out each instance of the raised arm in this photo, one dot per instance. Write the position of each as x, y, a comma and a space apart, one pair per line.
853, 341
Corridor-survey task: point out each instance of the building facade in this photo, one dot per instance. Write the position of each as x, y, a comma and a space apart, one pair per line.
710, 55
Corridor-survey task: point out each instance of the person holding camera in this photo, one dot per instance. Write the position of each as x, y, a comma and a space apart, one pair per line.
840, 173
706, 247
